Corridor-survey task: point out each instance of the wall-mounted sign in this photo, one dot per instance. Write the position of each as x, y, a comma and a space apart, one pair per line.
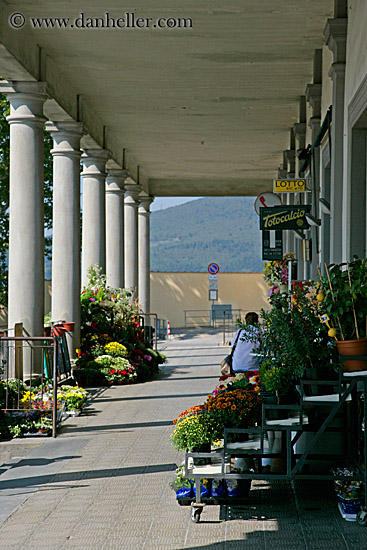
266, 199
272, 252
284, 217
289, 186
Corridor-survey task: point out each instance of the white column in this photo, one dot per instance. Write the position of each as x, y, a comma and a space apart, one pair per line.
66, 226
144, 251
115, 227
94, 203
336, 38
26, 240
131, 235
313, 95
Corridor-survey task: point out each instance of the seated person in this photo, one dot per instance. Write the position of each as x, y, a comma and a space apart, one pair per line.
247, 343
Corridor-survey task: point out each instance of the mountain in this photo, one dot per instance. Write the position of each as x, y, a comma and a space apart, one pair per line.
190, 236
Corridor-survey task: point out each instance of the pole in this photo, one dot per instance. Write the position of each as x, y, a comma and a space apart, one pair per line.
224, 327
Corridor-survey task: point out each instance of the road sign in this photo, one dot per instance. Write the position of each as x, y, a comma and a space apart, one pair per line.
289, 186
213, 268
213, 276
213, 285
266, 200
213, 295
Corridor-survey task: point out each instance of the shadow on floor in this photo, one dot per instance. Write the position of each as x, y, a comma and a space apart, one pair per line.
36, 480
143, 397
109, 427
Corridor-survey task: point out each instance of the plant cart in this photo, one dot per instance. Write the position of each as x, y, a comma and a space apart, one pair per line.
314, 415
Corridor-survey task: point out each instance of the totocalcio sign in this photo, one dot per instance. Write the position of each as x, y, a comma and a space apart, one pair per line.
284, 217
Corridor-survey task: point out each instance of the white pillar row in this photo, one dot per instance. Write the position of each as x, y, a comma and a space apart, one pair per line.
132, 191
26, 240
94, 215
335, 33
115, 227
66, 226
145, 201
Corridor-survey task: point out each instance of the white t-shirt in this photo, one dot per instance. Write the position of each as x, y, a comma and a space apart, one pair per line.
241, 359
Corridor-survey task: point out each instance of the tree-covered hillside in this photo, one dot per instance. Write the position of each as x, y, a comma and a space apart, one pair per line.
222, 230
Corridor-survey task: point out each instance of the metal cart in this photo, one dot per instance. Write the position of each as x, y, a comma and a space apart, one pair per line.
314, 415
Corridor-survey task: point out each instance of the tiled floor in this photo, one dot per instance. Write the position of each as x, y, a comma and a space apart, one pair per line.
104, 482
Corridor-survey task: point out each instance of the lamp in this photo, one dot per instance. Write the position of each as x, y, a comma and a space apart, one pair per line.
316, 222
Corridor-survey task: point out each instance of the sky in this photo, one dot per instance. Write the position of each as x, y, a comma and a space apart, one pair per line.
160, 203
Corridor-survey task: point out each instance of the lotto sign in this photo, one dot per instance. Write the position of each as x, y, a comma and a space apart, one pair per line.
213, 268
289, 186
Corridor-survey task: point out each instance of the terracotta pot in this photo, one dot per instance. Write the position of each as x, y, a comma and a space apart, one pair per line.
353, 347
109, 382
58, 330
69, 327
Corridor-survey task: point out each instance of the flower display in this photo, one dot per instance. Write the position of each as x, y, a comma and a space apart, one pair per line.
196, 409
276, 271
115, 349
195, 431
234, 408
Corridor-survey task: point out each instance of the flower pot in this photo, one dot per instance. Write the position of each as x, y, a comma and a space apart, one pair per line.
69, 327
58, 330
353, 347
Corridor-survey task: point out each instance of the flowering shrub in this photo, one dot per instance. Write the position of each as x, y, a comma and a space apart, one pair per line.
117, 375
195, 431
276, 271
115, 349
197, 409
234, 408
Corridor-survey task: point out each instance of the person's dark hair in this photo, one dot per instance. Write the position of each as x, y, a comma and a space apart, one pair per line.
251, 318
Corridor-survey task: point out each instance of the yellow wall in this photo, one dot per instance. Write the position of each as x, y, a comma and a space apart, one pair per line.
172, 293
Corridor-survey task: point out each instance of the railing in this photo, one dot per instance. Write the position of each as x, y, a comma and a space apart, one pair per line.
197, 318
29, 358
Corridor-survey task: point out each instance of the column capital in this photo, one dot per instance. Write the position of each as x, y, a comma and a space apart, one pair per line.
335, 33
94, 162
115, 180
132, 191
337, 70
313, 95
26, 101
145, 201
66, 136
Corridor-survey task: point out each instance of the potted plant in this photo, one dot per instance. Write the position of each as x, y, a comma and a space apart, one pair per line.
344, 304
293, 337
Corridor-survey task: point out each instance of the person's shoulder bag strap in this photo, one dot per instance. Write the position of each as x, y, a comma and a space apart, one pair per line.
235, 342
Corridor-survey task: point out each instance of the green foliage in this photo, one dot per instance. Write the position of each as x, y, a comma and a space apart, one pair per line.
4, 195
278, 379
190, 236
294, 337
338, 304
195, 431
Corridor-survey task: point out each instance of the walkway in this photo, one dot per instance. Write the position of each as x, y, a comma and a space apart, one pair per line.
104, 482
